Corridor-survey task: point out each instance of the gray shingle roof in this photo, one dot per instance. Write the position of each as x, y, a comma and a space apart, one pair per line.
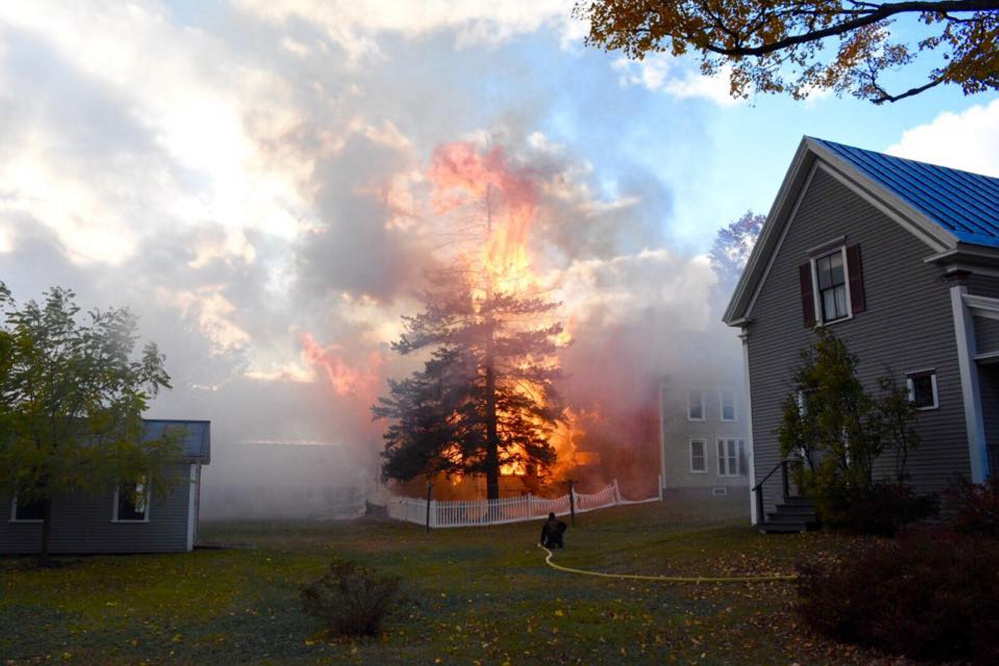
962, 203
197, 436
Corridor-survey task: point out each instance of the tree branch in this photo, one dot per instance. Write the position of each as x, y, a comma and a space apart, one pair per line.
880, 14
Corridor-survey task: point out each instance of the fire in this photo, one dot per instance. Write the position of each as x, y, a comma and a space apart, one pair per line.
345, 379
462, 175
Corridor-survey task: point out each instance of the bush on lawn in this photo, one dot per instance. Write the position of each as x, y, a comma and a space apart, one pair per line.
975, 506
350, 599
881, 509
929, 594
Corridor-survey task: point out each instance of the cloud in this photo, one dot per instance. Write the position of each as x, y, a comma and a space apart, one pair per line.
676, 78
965, 140
355, 24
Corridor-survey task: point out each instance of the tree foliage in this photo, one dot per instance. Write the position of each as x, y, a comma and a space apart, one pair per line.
485, 399
733, 245
71, 402
837, 429
786, 46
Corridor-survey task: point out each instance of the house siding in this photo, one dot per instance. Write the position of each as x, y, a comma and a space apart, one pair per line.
678, 430
908, 326
82, 524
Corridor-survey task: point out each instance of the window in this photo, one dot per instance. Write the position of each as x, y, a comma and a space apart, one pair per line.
923, 389
695, 405
830, 273
29, 512
131, 503
832, 284
698, 457
727, 405
731, 457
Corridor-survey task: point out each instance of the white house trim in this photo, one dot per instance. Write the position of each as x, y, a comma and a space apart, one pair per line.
192, 513
780, 241
964, 330
982, 306
750, 461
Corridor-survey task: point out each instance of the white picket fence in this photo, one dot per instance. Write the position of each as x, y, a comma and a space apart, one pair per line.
472, 513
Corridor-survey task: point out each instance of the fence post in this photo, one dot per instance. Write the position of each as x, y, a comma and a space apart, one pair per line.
430, 491
617, 493
572, 501
530, 505
660, 487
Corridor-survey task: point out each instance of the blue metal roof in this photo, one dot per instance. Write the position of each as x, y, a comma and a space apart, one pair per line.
962, 203
197, 435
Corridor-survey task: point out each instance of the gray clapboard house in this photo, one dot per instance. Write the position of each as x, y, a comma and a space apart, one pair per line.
901, 260
111, 522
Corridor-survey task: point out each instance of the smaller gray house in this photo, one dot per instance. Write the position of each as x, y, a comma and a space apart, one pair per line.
110, 522
704, 437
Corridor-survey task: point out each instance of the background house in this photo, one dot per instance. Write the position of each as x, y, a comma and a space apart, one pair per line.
704, 436
110, 522
901, 260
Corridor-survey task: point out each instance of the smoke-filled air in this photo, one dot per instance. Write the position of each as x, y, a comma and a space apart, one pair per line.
279, 198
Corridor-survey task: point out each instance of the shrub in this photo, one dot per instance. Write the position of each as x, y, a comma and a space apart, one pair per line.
927, 595
881, 509
975, 506
350, 599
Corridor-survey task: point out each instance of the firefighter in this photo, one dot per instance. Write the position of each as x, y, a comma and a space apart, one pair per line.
552, 531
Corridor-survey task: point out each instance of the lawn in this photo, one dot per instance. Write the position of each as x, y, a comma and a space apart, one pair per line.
469, 596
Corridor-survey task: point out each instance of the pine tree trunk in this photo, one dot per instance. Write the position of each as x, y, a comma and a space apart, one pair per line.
492, 430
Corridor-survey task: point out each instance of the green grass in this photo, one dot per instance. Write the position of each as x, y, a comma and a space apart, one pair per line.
468, 596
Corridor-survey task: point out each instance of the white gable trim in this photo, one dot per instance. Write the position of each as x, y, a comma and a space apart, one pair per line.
780, 241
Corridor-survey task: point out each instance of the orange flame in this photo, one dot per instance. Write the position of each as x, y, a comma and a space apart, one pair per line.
345, 379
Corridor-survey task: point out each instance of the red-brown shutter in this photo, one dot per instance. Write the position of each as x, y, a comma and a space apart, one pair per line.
807, 296
858, 298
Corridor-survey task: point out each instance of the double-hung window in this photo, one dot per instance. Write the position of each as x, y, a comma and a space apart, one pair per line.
27, 512
832, 284
131, 502
695, 405
830, 273
922, 387
727, 405
698, 456
731, 457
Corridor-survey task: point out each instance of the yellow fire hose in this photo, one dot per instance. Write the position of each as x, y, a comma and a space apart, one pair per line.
670, 579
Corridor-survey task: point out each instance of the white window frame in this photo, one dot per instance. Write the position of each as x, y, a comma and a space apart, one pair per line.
816, 294
13, 514
932, 372
721, 406
700, 393
723, 466
704, 450
131, 521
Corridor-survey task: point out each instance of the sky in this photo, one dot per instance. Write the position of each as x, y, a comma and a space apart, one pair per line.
251, 178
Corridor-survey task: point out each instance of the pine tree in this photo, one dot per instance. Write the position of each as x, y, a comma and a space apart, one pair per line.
486, 399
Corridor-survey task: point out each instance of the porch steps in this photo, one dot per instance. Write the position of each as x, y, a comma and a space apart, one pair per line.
795, 514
